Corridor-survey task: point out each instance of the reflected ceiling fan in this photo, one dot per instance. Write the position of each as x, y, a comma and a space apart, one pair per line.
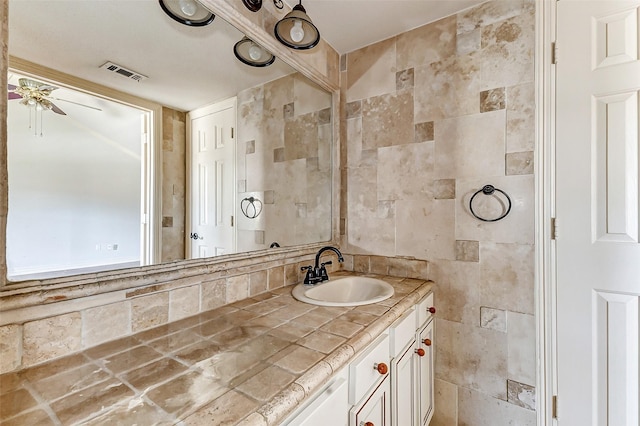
36, 94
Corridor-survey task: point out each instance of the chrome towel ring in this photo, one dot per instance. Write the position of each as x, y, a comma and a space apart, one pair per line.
489, 190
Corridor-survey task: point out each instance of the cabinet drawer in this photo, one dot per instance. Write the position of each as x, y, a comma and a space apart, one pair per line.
402, 332
362, 372
424, 312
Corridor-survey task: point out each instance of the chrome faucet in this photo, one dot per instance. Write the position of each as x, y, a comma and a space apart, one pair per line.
318, 273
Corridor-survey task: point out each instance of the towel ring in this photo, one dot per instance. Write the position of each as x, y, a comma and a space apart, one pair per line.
489, 190
251, 207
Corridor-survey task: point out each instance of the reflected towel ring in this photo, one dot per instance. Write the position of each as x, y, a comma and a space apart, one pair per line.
251, 207
489, 190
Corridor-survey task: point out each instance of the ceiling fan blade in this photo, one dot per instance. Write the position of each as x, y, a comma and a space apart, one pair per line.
11, 87
77, 103
12, 95
45, 103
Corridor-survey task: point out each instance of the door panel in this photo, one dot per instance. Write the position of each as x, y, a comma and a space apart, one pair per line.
211, 229
597, 202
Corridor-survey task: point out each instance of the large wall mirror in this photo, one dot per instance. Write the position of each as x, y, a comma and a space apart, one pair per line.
93, 187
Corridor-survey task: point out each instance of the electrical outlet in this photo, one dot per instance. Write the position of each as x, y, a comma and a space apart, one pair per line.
115, 247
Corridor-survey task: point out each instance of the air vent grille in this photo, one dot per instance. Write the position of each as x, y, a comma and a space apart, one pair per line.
127, 73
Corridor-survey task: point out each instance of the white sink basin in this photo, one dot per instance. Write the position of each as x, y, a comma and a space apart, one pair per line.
347, 291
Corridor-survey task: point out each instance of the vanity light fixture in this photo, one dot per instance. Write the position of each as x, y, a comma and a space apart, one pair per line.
296, 30
251, 53
253, 5
187, 12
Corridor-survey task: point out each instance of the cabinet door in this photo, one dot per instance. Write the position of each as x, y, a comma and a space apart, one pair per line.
403, 388
374, 410
330, 407
425, 373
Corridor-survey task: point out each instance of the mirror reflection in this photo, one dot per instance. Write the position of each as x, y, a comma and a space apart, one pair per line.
242, 159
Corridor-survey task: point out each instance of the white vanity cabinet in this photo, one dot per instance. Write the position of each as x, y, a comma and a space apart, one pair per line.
389, 383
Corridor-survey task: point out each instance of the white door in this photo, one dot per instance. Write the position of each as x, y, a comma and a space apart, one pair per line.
598, 250
210, 230
375, 409
425, 374
403, 388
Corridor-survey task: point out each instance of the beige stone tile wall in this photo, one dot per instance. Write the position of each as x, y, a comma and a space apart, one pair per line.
284, 160
33, 335
431, 116
173, 184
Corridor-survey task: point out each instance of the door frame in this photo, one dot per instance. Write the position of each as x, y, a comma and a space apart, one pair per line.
544, 159
151, 162
192, 115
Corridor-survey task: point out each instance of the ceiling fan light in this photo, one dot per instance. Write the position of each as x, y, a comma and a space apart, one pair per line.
250, 53
187, 12
296, 30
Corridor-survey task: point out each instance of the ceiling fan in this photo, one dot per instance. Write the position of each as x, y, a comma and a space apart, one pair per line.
37, 94
34, 94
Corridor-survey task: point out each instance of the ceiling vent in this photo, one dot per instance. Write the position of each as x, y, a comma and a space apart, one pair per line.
132, 75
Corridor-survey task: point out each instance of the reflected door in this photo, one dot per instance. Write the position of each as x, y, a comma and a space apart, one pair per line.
212, 175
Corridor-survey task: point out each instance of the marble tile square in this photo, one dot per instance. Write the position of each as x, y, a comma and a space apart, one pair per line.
521, 338
237, 288
457, 290
436, 41
421, 213
447, 89
507, 277
131, 359
70, 381
495, 319
322, 342
521, 118
51, 337
488, 13
508, 51
223, 410
398, 167
470, 146
174, 342
105, 323
521, 395
468, 42
424, 132
371, 71
404, 79
342, 328
378, 265
264, 385
137, 412
15, 402
468, 251
444, 189
184, 302
54, 367
519, 163
492, 100
10, 382
214, 294
35, 417
276, 277
186, 393
387, 120
445, 411
299, 359
149, 311
472, 357
90, 401
10, 355
353, 109
478, 409
151, 374
258, 282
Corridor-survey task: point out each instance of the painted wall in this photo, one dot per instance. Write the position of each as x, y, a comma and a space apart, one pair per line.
284, 160
431, 116
71, 201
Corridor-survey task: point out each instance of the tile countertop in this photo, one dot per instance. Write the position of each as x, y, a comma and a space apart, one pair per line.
250, 363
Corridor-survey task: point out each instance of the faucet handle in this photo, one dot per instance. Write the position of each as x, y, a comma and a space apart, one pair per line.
326, 263
310, 277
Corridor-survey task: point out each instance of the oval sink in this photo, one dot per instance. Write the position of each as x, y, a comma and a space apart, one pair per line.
347, 291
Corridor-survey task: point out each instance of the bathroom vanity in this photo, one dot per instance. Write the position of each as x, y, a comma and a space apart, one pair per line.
265, 360
390, 382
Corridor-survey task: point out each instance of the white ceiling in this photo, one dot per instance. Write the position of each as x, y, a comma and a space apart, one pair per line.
188, 67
